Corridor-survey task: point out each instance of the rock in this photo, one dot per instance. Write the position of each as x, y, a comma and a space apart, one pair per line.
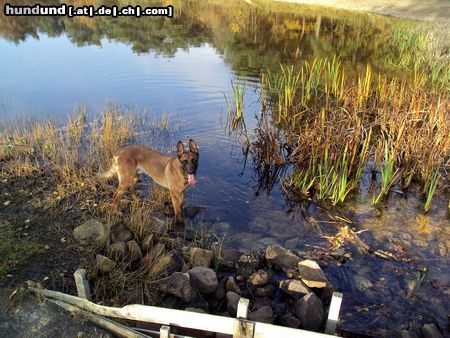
134, 250
120, 232
263, 243
404, 334
311, 274
178, 284
92, 232
203, 279
294, 288
104, 264
200, 257
222, 227
220, 291
430, 331
172, 302
228, 260
291, 243
147, 243
261, 301
153, 256
169, 263
289, 320
267, 291
264, 314
248, 263
232, 285
309, 310
259, 278
118, 251
282, 259
199, 302
232, 303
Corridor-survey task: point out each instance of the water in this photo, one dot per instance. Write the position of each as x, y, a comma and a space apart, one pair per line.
183, 67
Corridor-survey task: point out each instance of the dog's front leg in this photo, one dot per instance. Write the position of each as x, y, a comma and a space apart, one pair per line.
177, 202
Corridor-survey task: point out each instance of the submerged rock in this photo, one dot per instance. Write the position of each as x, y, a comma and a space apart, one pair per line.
178, 284
92, 232
309, 310
203, 279
200, 257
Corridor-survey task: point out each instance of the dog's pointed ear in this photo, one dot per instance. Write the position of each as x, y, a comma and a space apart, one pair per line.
180, 149
193, 147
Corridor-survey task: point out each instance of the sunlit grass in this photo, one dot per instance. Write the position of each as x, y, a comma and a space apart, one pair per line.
338, 125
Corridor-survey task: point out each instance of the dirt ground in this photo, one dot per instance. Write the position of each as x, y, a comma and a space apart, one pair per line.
429, 10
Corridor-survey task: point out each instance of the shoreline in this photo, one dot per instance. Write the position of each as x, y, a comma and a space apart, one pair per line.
431, 11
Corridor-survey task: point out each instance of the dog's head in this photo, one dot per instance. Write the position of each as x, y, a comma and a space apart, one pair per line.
188, 160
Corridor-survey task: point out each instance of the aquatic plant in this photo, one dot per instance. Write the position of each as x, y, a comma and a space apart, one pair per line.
339, 125
236, 109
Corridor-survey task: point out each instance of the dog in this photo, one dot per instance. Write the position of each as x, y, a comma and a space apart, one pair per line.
175, 174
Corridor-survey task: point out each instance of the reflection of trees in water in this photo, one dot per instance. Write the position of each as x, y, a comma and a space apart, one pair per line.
250, 37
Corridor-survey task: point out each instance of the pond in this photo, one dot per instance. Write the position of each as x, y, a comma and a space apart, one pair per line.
182, 68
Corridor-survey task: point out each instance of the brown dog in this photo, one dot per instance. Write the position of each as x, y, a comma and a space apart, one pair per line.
175, 174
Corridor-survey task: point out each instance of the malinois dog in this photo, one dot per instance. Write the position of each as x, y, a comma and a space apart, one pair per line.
175, 174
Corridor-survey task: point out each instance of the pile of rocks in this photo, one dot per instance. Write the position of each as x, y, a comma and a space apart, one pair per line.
282, 287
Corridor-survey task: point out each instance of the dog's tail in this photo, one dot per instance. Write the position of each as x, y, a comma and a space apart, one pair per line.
107, 174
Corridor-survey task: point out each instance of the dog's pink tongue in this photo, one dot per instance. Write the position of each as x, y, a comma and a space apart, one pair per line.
191, 179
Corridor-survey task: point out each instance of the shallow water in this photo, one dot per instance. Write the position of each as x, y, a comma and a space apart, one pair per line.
183, 67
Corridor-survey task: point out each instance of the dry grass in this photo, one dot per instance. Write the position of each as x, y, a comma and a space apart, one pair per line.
343, 124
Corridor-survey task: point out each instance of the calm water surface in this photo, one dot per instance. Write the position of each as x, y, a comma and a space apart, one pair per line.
183, 67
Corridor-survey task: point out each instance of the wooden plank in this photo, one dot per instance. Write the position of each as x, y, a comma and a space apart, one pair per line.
82, 284
333, 314
191, 320
242, 309
243, 328
164, 332
108, 324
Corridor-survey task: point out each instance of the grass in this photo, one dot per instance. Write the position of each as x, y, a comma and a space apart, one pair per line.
340, 125
15, 250
235, 110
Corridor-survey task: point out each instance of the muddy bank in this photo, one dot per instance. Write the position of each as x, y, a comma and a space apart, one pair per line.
433, 10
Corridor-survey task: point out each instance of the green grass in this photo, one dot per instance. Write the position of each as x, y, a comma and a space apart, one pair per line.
15, 251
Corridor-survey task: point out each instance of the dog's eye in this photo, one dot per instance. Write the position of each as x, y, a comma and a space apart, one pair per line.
185, 162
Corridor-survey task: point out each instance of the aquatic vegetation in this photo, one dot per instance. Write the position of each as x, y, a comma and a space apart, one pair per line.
340, 126
235, 110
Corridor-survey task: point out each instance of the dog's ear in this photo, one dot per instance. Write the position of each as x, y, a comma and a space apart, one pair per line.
180, 149
193, 146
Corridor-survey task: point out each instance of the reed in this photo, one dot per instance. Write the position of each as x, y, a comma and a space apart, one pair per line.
340, 126
235, 110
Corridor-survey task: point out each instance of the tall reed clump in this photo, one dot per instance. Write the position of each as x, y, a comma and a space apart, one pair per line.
341, 125
70, 153
235, 110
